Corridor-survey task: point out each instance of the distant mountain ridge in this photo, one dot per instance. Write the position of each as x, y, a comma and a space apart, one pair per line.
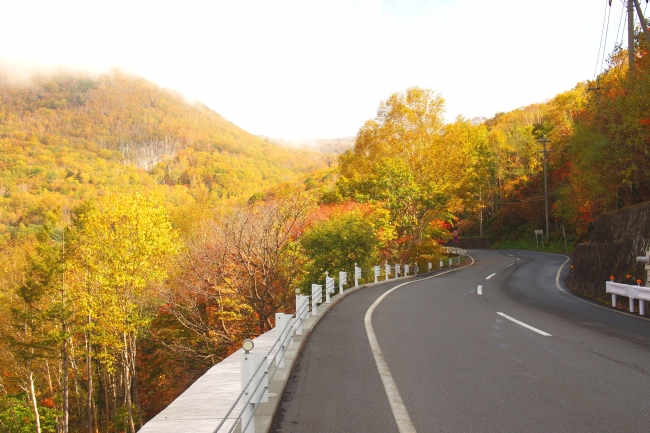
67, 137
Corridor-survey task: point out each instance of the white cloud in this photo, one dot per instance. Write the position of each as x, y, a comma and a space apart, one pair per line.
307, 68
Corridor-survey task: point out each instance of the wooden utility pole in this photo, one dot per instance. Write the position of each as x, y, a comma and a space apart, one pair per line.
545, 140
644, 26
630, 35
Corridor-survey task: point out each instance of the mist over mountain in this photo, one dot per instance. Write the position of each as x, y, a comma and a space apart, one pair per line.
325, 145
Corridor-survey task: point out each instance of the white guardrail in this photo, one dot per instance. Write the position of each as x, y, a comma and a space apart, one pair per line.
641, 293
257, 369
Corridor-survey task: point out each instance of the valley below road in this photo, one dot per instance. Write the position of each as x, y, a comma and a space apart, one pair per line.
498, 345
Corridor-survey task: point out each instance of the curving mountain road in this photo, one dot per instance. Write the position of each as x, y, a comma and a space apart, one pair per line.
457, 365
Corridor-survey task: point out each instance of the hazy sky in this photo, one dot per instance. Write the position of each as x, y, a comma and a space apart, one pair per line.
318, 69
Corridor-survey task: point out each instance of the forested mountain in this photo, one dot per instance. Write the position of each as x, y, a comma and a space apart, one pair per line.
145, 237
68, 137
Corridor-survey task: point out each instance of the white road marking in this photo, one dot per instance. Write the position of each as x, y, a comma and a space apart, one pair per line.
401, 415
510, 255
517, 258
509, 265
546, 334
491, 276
479, 290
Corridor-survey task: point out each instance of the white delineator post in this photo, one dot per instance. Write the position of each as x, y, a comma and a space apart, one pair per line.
387, 270
282, 330
430, 266
249, 369
316, 298
406, 270
397, 270
377, 273
343, 280
451, 262
357, 275
440, 264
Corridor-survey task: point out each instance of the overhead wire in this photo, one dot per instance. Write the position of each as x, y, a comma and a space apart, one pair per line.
621, 25
600, 45
602, 61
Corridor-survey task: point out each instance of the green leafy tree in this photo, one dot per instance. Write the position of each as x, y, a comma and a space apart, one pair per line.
337, 243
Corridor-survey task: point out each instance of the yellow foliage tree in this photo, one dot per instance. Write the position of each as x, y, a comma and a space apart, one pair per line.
123, 246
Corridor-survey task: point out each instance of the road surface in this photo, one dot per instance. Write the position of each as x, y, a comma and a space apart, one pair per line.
452, 363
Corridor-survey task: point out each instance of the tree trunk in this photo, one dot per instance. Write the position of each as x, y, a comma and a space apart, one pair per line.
135, 381
64, 329
66, 407
127, 383
32, 395
89, 372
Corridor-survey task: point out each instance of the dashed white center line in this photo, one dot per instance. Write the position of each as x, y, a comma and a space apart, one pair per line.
479, 290
546, 334
517, 258
491, 276
509, 265
510, 255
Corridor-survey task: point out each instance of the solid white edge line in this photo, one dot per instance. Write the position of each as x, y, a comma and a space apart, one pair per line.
546, 334
479, 290
491, 276
401, 415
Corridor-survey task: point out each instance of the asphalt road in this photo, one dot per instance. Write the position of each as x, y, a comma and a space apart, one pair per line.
461, 367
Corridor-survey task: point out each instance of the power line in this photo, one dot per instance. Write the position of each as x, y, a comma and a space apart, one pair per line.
602, 61
600, 44
621, 25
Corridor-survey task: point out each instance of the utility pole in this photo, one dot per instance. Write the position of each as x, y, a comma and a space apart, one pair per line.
630, 35
545, 140
644, 26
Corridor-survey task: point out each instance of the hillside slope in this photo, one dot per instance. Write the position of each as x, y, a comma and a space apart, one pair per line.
67, 137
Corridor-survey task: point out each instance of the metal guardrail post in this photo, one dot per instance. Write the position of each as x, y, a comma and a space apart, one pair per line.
406, 270
316, 298
387, 270
343, 280
257, 389
329, 287
282, 329
440, 264
302, 309
357, 275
